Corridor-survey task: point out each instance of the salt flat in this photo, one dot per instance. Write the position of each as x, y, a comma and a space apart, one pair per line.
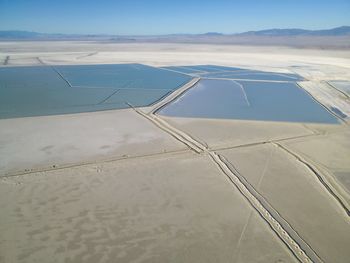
153, 209
52, 141
133, 186
296, 193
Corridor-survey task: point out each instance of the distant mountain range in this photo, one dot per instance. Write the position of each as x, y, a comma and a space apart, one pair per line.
338, 31
335, 38
27, 35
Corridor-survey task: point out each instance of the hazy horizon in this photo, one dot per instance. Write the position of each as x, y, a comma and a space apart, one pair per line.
179, 33
160, 18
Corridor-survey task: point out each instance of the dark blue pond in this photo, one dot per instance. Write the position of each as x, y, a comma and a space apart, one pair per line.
222, 72
45, 90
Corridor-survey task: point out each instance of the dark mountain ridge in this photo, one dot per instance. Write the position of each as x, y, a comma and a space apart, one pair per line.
338, 31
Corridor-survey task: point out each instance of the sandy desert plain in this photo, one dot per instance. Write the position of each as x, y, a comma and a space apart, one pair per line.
133, 185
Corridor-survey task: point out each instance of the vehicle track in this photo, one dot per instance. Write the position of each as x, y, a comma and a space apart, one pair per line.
285, 232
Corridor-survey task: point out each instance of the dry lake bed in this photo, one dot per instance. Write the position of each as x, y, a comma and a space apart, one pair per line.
173, 153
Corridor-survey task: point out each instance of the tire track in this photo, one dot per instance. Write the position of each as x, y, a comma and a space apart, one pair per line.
284, 231
319, 176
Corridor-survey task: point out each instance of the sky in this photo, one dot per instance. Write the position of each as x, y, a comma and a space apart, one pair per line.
156, 17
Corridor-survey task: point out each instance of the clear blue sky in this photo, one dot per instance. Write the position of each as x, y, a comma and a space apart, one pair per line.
166, 17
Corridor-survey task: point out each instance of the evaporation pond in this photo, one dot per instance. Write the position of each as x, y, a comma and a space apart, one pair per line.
122, 76
222, 72
49, 90
248, 100
253, 75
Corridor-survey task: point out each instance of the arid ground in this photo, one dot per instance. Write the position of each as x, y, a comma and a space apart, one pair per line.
132, 185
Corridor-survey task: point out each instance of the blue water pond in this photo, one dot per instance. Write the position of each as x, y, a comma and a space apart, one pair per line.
248, 100
46, 90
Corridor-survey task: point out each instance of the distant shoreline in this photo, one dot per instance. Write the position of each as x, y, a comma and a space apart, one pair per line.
334, 38
301, 42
